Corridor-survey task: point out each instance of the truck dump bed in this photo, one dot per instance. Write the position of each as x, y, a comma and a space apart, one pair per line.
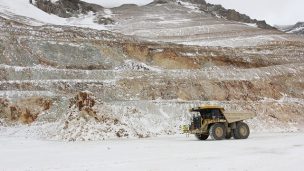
232, 116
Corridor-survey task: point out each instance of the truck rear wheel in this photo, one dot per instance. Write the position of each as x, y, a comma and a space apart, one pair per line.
218, 131
242, 131
202, 136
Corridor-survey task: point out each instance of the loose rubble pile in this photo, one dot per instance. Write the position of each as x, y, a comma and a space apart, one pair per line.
83, 121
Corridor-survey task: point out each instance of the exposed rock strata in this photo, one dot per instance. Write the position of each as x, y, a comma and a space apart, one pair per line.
24, 110
139, 82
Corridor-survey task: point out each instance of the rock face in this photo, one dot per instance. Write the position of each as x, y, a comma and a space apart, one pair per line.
67, 8
84, 101
229, 14
233, 15
25, 110
296, 29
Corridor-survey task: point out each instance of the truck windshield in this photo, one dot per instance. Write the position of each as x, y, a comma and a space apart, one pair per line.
211, 113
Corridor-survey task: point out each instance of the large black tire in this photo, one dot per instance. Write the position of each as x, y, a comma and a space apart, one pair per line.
218, 131
242, 131
202, 136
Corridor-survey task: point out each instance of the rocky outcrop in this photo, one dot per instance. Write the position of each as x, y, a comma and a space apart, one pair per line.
85, 102
233, 15
67, 8
25, 110
298, 28
104, 20
220, 11
4, 104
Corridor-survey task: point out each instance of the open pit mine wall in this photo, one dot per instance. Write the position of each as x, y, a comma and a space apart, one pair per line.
61, 61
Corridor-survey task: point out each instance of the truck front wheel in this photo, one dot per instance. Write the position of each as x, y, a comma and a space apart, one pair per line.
218, 131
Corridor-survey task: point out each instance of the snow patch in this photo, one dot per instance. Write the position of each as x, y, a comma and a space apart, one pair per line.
37, 17
296, 30
134, 65
193, 8
251, 25
108, 13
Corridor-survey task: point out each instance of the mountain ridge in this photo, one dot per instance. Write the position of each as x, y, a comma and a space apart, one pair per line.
298, 28
72, 8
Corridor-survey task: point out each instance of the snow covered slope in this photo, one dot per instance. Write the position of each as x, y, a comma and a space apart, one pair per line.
23, 11
296, 29
190, 23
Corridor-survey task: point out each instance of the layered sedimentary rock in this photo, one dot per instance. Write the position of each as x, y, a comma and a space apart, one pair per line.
144, 74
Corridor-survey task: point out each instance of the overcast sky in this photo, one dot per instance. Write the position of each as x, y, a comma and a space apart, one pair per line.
280, 12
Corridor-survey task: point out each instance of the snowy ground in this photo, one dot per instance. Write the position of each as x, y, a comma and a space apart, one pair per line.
276, 151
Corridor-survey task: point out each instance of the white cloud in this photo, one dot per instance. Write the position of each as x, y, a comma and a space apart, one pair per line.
280, 12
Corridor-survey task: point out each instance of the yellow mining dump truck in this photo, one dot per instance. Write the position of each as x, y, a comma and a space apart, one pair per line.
218, 123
